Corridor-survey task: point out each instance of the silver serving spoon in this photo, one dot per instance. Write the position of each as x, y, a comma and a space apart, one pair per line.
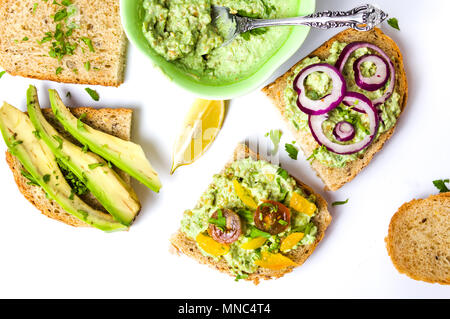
363, 18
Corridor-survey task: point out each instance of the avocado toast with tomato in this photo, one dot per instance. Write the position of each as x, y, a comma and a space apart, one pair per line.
254, 221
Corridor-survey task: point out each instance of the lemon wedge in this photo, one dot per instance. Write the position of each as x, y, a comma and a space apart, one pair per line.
200, 128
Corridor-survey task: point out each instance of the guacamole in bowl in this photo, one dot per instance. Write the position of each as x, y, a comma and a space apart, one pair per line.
180, 38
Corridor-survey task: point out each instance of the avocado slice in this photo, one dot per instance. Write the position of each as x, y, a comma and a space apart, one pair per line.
112, 192
22, 141
126, 155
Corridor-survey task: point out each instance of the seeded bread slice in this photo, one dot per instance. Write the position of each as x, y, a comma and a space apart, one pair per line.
23, 23
116, 122
334, 178
418, 241
322, 219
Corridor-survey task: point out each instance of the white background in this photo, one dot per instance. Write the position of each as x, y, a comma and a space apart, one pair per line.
40, 257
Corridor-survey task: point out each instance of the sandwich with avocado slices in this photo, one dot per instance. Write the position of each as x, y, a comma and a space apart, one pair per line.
64, 178
342, 102
254, 221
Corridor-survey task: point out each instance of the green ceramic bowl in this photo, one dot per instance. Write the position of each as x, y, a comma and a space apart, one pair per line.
132, 15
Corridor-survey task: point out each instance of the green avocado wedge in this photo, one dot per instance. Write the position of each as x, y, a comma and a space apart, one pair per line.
112, 192
126, 155
22, 141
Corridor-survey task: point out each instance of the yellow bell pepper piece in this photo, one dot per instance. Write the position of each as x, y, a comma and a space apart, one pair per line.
290, 241
244, 196
302, 205
274, 261
254, 243
211, 246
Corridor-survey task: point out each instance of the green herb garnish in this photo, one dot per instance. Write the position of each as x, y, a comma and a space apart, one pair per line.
95, 165
94, 95
74, 182
87, 65
291, 150
2, 73
46, 178
440, 185
59, 140
393, 22
58, 70
31, 179
220, 221
37, 134
255, 232
340, 202
80, 124
15, 143
282, 173
88, 42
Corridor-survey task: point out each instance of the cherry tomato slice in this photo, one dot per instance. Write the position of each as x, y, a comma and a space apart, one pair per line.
225, 226
272, 217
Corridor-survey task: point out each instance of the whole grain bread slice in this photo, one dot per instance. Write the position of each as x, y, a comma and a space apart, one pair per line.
333, 177
418, 240
183, 244
24, 23
116, 122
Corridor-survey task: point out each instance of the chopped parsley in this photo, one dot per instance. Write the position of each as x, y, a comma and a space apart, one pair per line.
87, 65
88, 42
74, 182
440, 185
220, 221
31, 179
37, 134
80, 124
58, 70
393, 22
291, 150
340, 202
95, 165
15, 143
46, 178
94, 95
255, 232
282, 173
59, 140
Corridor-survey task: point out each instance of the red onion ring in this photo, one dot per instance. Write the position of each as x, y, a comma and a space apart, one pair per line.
344, 131
376, 81
352, 47
326, 103
316, 121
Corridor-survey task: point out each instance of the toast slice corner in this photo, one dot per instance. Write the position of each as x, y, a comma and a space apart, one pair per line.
116, 122
335, 178
418, 239
182, 244
26, 22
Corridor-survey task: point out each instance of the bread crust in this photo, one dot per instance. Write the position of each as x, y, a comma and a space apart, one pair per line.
322, 219
116, 122
333, 177
101, 24
402, 219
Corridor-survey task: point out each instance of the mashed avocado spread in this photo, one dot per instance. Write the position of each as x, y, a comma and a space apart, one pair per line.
319, 84
262, 181
181, 31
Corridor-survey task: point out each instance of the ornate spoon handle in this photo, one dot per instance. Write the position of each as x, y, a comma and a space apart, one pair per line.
363, 18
